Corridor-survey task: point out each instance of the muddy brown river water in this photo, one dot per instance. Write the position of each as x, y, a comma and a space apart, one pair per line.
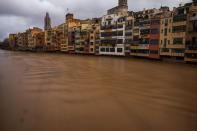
59, 92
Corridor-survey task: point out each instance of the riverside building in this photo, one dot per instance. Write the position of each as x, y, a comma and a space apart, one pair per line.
112, 32
191, 40
151, 33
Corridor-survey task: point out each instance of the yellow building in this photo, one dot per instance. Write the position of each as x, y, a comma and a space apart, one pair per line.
13, 41
70, 35
129, 32
136, 34
32, 37
64, 39
49, 43
141, 32
179, 34
166, 41
191, 39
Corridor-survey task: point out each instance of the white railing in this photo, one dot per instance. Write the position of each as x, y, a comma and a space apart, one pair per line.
143, 46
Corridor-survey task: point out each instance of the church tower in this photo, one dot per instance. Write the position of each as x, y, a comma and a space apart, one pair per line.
123, 3
47, 22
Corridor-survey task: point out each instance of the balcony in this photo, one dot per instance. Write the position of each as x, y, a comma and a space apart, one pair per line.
128, 28
180, 18
143, 46
108, 27
186, 59
142, 55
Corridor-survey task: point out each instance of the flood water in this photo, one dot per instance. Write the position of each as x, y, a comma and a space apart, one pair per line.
59, 92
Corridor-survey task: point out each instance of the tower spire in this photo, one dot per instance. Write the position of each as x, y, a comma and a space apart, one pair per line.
47, 22
123, 3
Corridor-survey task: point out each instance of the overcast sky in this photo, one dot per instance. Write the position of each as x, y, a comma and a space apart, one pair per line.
19, 15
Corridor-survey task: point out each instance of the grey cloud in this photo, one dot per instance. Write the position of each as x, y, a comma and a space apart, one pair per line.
18, 15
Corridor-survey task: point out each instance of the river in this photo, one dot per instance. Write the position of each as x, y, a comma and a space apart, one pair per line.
59, 92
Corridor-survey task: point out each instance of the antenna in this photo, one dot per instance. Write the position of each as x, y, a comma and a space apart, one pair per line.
180, 2
67, 10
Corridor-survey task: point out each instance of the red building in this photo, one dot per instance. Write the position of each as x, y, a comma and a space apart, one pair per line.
154, 52
39, 41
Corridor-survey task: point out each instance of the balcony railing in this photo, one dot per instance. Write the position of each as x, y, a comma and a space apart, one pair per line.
180, 18
128, 28
108, 27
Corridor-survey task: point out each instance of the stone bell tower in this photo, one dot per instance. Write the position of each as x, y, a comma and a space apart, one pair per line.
47, 22
123, 3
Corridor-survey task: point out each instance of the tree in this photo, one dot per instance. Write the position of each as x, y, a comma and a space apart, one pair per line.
5, 44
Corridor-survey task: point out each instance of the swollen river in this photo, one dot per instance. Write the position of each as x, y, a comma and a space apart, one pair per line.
59, 92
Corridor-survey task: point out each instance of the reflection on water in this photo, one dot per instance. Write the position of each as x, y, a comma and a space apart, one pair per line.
57, 92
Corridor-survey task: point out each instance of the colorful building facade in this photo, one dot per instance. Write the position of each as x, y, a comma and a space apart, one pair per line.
151, 33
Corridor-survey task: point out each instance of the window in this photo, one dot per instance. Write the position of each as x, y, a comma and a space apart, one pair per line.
112, 49
179, 18
92, 37
153, 52
166, 22
144, 41
155, 22
92, 43
49, 33
165, 50
144, 23
120, 41
142, 51
120, 26
120, 33
166, 32
109, 22
102, 49
181, 11
145, 31
136, 31
96, 47
181, 28
121, 19
154, 42
107, 49
127, 48
91, 49
178, 50
169, 30
128, 41
136, 38
165, 42
194, 40
154, 31
136, 23
161, 42
168, 42
133, 51
108, 42
128, 34
119, 50
161, 30
128, 28
178, 41
187, 10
